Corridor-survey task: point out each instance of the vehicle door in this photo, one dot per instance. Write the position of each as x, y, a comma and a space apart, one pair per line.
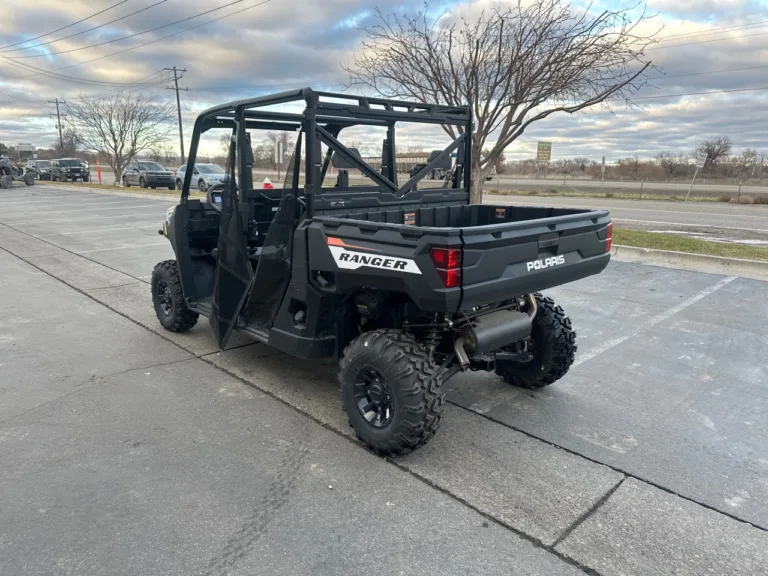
133, 173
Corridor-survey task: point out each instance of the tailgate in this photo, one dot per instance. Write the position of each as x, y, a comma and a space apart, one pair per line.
514, 258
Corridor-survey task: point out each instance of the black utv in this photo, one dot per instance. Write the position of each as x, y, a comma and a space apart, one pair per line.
404, 285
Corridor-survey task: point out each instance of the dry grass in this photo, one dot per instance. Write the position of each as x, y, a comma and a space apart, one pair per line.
746, 200
763, 199
677, 243
724, 198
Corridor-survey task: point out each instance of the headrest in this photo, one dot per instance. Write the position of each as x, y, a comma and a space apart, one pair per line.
339, 162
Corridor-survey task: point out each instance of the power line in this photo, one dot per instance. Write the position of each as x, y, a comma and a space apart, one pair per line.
53, 74
129, 36
706, 41
714, 31
709, 72
84, 31
139, 45
63, 27
700, 93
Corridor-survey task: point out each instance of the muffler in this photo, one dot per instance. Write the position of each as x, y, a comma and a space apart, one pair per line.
494, 331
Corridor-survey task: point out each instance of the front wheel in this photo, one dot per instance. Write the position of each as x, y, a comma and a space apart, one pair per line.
142, 183
547, 355
168, 298
390, 390
171, 187
201, 186
29, 179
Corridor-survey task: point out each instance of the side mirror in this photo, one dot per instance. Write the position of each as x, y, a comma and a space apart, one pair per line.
136, 169
195, 173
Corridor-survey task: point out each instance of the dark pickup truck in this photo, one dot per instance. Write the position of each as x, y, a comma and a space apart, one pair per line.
407, 286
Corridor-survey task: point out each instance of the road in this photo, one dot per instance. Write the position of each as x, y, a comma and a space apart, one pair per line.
671, 188
659, 214
130, 450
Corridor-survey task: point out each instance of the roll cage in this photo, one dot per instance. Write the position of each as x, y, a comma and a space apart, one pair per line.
252, 277
325, 115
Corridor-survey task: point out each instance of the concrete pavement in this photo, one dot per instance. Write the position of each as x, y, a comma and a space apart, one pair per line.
129, 450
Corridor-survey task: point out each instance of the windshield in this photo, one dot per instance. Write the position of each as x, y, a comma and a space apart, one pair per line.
70, 162
210, 169
150, 166
43, 164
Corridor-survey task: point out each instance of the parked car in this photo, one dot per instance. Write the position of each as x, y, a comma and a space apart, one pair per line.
40, 168
70, 169
204, 176
147, 174
416, 167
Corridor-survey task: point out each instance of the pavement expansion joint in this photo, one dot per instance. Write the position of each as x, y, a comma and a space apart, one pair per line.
614, 468
69, 252
594, 508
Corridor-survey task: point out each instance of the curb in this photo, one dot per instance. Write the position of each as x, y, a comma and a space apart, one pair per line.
755, 269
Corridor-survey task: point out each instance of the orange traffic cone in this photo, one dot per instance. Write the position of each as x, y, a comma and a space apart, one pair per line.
268, 184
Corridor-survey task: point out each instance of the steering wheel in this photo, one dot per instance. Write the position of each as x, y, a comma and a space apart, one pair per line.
213, 196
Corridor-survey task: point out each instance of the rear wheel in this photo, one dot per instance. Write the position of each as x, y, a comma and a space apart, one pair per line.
390, 390
168, 298
125, 182
547, 355
179, 184
6, 181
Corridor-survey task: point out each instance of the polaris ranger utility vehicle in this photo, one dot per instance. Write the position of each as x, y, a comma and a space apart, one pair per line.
10, 171
406, 286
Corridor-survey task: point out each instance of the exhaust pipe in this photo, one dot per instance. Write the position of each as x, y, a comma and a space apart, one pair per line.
532, 306
461, 354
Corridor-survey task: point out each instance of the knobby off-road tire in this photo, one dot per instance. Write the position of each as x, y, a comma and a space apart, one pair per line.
29, 179
6, 181
409, 382
554, 348
168, 298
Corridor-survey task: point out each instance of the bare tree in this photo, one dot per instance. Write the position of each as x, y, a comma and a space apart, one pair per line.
121, 126
712, 151
512, 65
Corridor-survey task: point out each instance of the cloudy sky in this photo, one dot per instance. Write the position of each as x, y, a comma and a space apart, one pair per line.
712, 55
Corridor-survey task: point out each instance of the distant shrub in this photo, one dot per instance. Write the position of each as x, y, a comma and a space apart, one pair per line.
761, 199
533, 193
609, 194
724, 198
746, 200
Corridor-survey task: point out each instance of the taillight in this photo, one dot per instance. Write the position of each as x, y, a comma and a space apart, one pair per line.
448, 264
609, 237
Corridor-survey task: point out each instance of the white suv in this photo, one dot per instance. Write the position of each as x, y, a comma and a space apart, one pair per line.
204, 176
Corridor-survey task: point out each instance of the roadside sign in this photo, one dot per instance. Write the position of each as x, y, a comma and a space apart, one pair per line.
279, 153
25, 147
603, 166
544, 152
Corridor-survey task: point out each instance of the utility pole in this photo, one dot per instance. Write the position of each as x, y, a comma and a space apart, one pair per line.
58, 120
175, 87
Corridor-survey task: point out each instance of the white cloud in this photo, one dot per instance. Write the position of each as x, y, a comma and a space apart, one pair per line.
290, 43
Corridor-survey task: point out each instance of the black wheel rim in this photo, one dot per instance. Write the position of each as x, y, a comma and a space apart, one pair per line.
373, 397
164, 298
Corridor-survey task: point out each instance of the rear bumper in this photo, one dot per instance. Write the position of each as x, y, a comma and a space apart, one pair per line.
520, 282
